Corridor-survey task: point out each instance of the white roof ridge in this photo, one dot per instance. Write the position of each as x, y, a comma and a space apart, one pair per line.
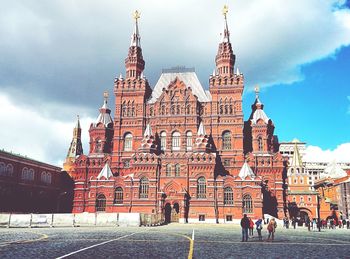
259, 114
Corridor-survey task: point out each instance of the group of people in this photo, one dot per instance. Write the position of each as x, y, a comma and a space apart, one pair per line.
248, 225
330, 223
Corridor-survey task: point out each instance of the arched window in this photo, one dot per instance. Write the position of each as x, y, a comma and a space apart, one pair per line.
31, 174
168, 170
43, 177
48, 176
260, 144
24, 175
247, 204
128, 142
98, 146
228, 196
9, 170
188, 109
201, 188
226, 140
177, 169
118, 195
176, 140
163, 140
189, 140
143, 189
124, 109
100, 202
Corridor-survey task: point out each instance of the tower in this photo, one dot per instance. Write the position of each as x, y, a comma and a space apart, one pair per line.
101, 131
75, 148
226, 89
131, 94
259, 129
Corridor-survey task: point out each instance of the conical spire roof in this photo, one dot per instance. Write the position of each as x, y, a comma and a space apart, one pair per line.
77, 125
148, 131
296, 160
105, 113
226, 31
135, 37
246, 171
201, 130
106, 172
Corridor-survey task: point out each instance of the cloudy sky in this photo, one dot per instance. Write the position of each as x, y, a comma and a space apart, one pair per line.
57, 57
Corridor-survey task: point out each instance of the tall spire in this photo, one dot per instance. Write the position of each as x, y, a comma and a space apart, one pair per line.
296, 160
134, 62
226, 31
135, 37
225, 59
75, 147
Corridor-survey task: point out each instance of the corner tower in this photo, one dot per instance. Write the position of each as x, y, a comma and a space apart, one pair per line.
131, 94
226, 89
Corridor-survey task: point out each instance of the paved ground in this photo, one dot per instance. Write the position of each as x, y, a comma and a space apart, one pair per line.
171, 241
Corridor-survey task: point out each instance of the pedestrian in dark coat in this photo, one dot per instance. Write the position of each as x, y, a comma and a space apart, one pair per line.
259, 227
245, 226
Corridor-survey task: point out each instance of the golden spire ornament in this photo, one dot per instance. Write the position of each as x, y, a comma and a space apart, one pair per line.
225, 10
136, 15
257, 90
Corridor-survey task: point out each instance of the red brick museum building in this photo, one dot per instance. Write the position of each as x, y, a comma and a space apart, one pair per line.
179, 150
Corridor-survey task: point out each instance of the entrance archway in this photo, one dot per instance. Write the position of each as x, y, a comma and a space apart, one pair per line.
171, 213
167, 211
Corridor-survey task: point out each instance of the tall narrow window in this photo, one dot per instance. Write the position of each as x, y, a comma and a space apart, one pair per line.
247, 204
177, 169
201, 188
226, 140
128, 142
189, 140
228, 196
118, 195
143, 189
260, 144
9, 170
163, 140
100, 202
176, 141
31, 174
168, 170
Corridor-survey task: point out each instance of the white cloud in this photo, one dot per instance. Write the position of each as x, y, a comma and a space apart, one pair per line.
340, 154
30, 133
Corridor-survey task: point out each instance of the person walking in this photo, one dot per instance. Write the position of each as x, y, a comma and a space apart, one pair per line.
245, 226
259, 227
308, 223
251, 227
271, 227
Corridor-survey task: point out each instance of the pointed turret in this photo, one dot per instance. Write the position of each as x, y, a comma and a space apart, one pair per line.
296, 160
202, 144
257, 109
246, 171
134, 62
148, 144
106, 172
101, 131
76, 147
225, 59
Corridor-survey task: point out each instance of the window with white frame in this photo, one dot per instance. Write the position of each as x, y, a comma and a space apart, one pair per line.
176, 140
189, 140
163, 140
128, 142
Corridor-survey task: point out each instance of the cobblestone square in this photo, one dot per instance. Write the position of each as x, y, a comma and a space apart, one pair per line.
170, 241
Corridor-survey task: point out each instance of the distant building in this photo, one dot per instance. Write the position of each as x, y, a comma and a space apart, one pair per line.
302, 200
180, 150
29, 186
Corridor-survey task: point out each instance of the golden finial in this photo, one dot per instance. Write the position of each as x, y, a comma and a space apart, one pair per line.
136, 15
225, 10
105, 94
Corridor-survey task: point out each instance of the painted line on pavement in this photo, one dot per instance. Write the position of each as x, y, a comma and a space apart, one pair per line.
270, 243
327, 239
89, 247
42, 237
